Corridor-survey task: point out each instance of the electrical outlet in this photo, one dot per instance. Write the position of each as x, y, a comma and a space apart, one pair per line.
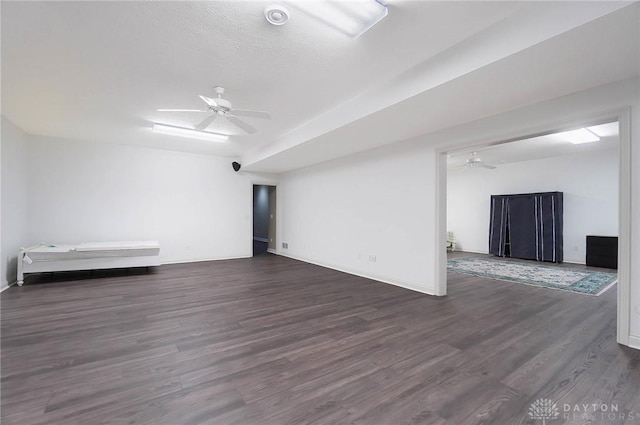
372, 258
285, 245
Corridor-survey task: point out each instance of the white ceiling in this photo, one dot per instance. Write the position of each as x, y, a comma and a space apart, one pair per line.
601, 51
534, 148
97, 71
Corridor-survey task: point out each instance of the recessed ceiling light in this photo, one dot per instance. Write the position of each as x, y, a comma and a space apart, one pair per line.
276, 15
353, 17
188, 132
605, 130
579, 136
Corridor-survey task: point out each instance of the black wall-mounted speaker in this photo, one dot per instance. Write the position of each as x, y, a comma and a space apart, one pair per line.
236, 166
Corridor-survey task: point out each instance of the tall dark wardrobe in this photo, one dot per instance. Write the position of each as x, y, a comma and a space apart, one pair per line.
527, 226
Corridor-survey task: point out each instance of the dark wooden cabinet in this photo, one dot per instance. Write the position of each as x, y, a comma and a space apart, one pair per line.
602, 251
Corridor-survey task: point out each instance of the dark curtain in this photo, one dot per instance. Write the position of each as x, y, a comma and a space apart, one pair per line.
522, 228
497, 225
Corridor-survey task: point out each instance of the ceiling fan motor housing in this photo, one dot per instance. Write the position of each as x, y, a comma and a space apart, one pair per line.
223, 106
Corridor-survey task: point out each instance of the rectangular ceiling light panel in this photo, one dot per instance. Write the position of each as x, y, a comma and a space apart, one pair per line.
351, 17
190, 133
579, 136
605, 130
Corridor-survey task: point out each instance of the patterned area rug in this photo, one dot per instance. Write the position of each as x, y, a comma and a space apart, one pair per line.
580, 281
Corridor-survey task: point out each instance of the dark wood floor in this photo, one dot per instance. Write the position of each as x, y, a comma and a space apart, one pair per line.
271, 340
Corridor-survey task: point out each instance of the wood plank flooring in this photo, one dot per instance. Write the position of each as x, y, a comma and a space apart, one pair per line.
270, 340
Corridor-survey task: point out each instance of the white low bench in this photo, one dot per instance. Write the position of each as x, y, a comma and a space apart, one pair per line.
87, 256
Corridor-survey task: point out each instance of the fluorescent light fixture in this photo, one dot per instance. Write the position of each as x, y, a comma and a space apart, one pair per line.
190, 133
579, 136
605, 130
351, 17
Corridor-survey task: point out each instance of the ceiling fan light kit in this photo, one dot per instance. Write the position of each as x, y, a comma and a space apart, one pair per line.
219, 107
189, 133
474, 161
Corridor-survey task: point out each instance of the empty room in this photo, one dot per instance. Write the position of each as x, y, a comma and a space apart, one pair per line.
549, 202
320, 212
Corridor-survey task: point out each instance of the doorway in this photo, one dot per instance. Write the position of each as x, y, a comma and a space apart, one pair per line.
264, 219
623, 118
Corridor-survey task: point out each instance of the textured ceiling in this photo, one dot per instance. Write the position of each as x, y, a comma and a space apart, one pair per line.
521, 61
97, 71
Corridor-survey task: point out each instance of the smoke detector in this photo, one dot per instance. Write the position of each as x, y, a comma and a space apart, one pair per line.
276, 14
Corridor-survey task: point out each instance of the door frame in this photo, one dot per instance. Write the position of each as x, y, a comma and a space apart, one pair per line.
263, 182
623, 116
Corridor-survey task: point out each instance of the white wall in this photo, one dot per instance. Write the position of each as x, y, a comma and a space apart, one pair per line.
14, 199
572, 110
342, 213
385, 202
195, 205
381, 203
589, 182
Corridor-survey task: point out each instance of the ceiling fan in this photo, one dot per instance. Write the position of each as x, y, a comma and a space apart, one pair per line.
220, 107
474, 161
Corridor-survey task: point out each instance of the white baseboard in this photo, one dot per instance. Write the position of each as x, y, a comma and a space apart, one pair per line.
382, 279
581, 263
271, 251
9, 285
487, 253
634, 342
471, 251
200, 260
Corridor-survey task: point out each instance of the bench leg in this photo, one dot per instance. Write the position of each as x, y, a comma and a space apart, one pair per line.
20, 269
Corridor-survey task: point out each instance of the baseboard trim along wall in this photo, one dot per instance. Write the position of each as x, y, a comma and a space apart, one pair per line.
582, 263
170, 262
199, 260
382, 279
634, 342
9, 285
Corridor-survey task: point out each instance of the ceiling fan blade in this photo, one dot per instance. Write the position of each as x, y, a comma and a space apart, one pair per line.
243, 125
182, 110
206, 122
491, 167
252, 114
209, 101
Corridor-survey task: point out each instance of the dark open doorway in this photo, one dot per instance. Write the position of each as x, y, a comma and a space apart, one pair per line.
264, 219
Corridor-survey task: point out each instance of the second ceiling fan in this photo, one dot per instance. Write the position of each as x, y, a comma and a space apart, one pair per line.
474, 161
222, 108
